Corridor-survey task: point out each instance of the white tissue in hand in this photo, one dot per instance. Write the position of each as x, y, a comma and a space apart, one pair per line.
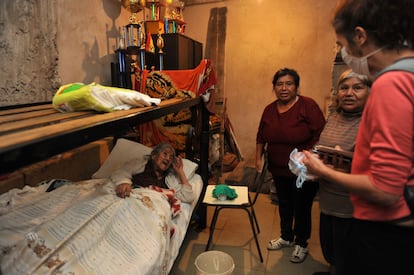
298, 168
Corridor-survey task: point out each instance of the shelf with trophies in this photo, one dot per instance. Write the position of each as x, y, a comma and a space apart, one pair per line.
165, 16
155, 57
157, 43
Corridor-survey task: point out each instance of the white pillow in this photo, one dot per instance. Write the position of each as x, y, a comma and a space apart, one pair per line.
189, 168
126, 150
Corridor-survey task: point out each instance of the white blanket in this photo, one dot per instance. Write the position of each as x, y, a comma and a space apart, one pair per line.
85, 228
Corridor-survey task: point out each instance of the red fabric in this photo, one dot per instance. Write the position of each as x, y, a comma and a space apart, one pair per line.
384, 147
149, 45
138, 83
175, 203
197, 80
150, 135
299, 127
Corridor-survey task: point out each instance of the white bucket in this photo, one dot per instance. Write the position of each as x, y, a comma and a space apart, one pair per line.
214, 262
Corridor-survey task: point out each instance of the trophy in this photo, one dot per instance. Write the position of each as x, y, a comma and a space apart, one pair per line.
160, 45
134, 6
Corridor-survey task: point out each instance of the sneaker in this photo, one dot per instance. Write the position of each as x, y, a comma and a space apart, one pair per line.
299, 254
277, 244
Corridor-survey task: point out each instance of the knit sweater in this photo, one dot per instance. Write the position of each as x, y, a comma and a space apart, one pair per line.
340, 130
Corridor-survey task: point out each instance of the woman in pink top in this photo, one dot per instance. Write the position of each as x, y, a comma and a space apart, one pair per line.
375, 34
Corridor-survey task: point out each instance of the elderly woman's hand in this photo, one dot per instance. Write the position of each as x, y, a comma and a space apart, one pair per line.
123, 190
178, 164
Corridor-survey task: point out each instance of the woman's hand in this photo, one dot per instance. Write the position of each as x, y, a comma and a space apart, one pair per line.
259, 165
123, 190
314, 165
178, 164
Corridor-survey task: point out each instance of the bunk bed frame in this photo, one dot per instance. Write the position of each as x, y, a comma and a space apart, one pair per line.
34, 132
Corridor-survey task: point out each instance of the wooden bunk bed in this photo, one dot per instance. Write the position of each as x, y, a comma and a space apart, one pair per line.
35, 132
31, 133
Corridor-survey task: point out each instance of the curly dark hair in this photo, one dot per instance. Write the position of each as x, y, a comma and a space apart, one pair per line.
387, 22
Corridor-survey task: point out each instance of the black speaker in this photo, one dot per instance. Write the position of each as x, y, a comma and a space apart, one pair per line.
180, 52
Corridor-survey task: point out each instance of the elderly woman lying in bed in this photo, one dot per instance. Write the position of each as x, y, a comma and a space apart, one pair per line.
86, 228
162, 163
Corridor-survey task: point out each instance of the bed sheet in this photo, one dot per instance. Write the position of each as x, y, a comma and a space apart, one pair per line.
84, 228
183, 220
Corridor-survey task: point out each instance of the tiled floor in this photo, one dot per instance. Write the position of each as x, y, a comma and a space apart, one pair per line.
233, 236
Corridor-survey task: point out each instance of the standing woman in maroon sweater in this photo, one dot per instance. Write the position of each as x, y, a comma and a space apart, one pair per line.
291, 121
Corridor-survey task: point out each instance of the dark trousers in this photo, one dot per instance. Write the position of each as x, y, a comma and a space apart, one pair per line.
379, 248
333, 235
295, 209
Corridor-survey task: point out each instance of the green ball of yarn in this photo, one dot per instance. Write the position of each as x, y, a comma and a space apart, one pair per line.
224, 189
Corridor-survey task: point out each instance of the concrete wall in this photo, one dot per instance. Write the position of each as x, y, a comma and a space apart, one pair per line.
86, 38
48, 43
263, 36
28, 51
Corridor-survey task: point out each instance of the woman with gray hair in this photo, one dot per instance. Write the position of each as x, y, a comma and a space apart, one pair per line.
340, 133
376, 39
161, 163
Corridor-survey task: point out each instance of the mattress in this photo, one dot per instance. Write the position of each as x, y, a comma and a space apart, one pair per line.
85, 228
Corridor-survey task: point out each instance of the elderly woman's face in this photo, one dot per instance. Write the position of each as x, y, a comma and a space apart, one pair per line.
164, 159
352, 95
285, 89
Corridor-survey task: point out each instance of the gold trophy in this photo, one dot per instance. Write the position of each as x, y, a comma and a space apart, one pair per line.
134, 6
160, 43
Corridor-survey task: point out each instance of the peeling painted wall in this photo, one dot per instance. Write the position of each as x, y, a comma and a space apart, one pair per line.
47, 43
28, 52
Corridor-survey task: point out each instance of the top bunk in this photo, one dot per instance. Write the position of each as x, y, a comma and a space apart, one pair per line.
34, 132
31, 133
